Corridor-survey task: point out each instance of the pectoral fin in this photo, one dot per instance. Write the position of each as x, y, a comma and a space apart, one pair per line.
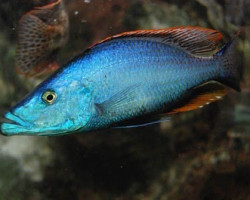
114, 103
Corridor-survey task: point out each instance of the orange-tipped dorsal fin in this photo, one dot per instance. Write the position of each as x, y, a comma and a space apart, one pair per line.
200, 96
194, 40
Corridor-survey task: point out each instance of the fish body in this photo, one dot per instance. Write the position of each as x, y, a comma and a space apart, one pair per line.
152, 76
41, 33
127, 76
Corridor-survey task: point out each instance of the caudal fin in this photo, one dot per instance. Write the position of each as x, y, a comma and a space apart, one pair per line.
230, 67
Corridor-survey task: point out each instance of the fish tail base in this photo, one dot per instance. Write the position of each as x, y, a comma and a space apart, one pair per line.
230, 73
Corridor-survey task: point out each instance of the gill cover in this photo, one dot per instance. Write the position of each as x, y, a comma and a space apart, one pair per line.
51, 111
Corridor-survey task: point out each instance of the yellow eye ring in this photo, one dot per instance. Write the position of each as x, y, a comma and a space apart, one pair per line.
49, 97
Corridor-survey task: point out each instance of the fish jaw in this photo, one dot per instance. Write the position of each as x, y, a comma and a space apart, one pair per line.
15, 125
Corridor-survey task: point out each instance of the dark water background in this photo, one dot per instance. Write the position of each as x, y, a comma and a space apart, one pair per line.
203, 154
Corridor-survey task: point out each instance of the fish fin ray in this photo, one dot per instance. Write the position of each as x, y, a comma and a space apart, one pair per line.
194, 40
200, 96
230, 70
142, 124
112, 104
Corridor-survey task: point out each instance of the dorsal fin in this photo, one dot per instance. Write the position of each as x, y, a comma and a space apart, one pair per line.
200, 96
194, 40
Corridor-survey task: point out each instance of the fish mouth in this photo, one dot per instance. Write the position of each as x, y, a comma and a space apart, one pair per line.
14, 125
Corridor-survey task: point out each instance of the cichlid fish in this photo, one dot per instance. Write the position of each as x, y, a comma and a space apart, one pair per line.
41, 33
131, 75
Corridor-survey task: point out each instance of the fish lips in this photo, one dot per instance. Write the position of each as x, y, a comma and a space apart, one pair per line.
14, 125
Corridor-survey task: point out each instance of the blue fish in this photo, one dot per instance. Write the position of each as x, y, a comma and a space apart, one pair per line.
128, 76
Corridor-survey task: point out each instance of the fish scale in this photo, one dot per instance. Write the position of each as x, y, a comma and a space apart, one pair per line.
138, 74
157, 75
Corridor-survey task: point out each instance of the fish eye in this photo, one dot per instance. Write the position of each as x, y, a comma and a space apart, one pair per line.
49, 97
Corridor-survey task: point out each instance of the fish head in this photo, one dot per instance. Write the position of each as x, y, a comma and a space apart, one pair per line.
52, 109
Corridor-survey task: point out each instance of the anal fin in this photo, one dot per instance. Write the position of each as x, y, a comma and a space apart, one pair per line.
200, 96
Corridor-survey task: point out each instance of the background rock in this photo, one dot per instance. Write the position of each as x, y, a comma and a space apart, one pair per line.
202, 154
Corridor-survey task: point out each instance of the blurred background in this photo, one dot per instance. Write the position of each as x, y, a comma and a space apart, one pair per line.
203, 154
